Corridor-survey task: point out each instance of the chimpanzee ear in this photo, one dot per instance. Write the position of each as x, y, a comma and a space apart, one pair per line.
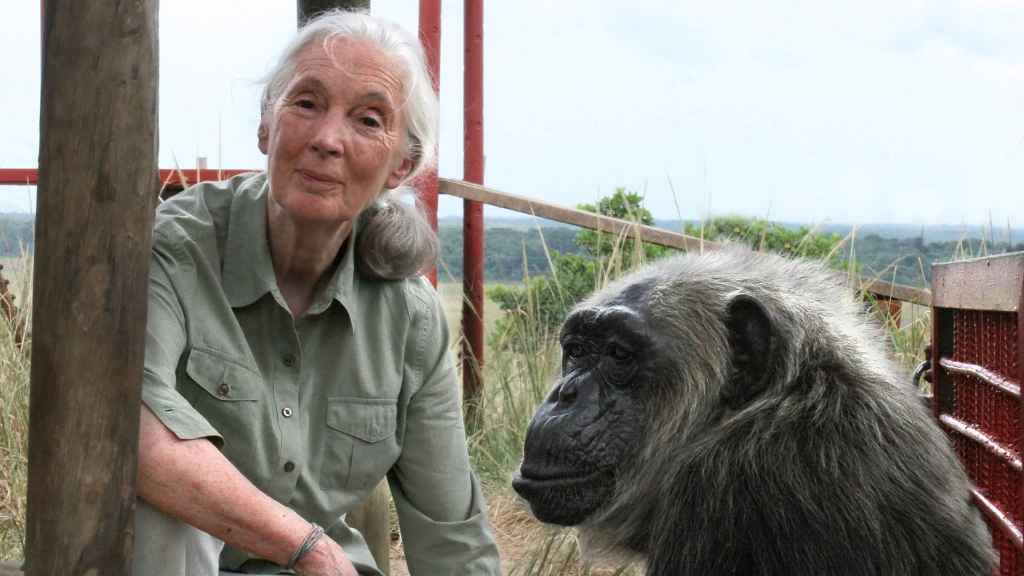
751, 339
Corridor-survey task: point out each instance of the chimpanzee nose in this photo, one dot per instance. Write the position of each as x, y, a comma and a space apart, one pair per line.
567, 392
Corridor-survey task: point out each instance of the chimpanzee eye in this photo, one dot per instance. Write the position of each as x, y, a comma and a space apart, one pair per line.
573, 350
619, 353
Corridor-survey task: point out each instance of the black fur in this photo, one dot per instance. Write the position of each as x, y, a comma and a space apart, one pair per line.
737, 414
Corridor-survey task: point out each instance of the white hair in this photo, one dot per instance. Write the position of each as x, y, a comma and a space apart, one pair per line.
393, 239
420, 108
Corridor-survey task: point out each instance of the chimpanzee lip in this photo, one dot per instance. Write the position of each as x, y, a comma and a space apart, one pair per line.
554, 478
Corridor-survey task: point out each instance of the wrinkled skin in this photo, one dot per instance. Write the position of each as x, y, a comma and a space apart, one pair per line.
587, 427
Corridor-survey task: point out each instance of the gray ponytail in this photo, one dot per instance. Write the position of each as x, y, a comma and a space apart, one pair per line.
394, 238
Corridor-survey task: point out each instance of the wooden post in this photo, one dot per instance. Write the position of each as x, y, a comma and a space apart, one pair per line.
371, 518
310, 8
97, 176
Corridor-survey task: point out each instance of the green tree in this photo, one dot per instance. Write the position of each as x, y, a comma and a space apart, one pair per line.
627, 206
768, 236
536, 309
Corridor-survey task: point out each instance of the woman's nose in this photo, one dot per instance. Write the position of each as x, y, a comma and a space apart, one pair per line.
329, 137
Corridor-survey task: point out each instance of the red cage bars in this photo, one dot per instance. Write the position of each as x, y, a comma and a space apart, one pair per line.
978, 364
473, 212
430, 37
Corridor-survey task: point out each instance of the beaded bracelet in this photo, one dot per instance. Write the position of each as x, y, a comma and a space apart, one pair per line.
311, 539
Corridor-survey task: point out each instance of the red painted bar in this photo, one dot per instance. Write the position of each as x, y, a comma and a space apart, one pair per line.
176, 177
986, 376
472, 212
185, 177
1020, 375
19, 176
971, 432
996, 516
430, 37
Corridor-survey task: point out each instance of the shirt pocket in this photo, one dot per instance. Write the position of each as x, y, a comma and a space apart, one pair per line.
360, 444
227, 394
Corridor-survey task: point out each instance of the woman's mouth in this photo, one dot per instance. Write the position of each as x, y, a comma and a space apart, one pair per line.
318, 180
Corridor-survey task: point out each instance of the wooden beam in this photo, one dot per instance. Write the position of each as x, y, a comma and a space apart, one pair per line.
97, 174
616, 226
892, 291
582, 218
9, 569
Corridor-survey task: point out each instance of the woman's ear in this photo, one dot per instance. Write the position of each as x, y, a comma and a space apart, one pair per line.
263, 134
398, 175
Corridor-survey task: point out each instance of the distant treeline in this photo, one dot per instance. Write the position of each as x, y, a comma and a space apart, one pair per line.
505, 249
507, 245
911, 258
16, 234
908, 260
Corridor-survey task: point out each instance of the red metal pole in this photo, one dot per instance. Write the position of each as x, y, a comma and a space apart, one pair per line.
430, 37
473, 212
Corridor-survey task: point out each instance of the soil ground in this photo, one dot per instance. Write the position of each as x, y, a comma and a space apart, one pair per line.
516, 532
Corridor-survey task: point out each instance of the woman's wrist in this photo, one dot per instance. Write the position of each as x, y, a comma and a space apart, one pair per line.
308, 543
323, 554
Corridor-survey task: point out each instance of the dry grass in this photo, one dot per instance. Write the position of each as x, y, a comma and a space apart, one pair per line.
14, 387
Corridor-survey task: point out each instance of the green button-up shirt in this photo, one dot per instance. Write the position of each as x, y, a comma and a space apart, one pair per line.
314, 411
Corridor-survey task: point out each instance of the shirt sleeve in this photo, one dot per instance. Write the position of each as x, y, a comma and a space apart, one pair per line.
440, 506
166, 339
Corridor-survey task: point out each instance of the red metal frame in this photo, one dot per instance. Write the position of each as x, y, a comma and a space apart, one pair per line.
169, 177
978, 368
473, 212
19, 176
430, 37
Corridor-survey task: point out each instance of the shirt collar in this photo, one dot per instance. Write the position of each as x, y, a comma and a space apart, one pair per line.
247, 269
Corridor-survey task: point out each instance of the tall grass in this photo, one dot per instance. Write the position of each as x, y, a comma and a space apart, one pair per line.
14, 388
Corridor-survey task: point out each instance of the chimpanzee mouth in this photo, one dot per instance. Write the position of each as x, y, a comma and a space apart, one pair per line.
528, 482
564, 499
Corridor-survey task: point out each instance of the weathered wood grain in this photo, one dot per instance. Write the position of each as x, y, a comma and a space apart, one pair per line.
97, 177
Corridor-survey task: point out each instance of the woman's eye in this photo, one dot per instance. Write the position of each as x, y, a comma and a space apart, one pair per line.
370, 121
305, 103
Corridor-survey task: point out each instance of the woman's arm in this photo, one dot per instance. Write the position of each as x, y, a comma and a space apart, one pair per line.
192, 481
440, 505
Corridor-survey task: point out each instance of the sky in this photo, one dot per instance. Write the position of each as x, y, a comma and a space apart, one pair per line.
818, 112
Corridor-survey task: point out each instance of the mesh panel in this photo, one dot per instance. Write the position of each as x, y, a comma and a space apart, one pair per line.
990, 340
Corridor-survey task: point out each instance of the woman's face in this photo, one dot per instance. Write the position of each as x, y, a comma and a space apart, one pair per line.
336, 137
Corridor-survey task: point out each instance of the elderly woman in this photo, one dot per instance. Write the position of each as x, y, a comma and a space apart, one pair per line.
294, 356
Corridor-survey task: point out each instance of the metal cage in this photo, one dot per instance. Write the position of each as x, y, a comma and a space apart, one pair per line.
978, 364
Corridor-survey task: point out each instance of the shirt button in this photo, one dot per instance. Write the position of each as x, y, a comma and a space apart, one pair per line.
223, 389
288, 360
286, 412
289, 466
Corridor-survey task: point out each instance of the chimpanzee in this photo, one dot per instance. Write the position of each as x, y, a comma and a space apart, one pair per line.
737, 413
